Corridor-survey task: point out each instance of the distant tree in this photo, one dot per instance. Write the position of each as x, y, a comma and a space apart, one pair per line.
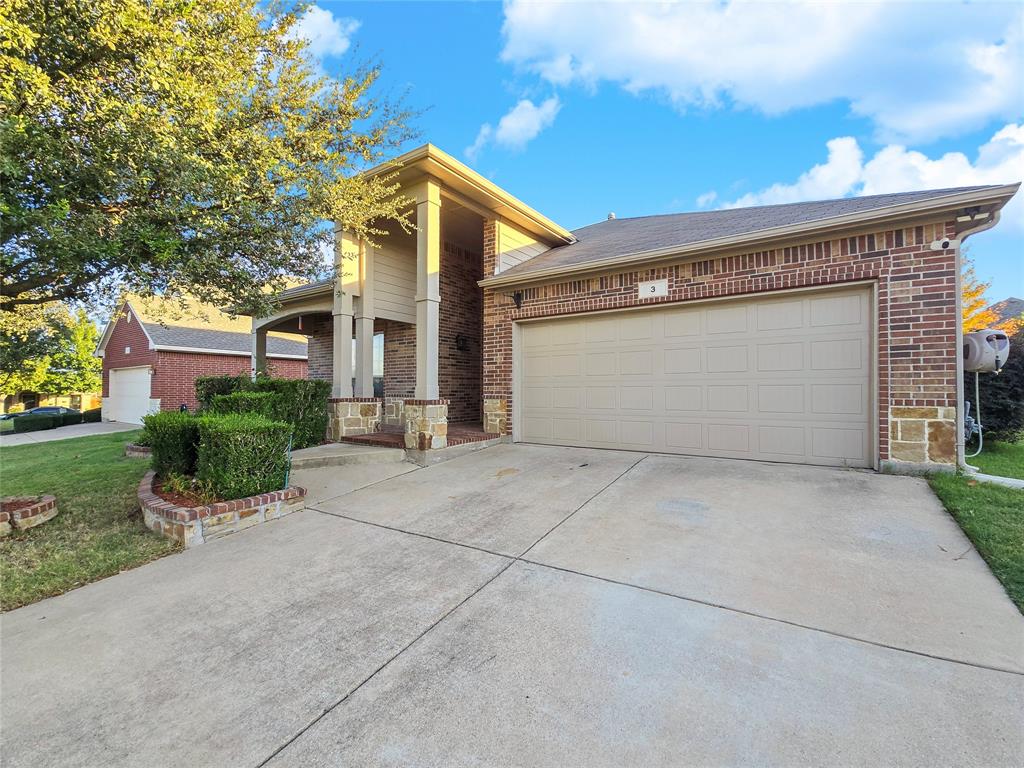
72, 365
165, 146
27, 336
974, 307
47, 348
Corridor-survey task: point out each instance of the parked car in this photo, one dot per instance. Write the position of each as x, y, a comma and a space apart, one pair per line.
49, 410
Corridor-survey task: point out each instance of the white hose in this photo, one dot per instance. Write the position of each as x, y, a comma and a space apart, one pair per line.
977, 407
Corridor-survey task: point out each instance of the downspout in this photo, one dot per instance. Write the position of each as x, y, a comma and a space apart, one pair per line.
992, 220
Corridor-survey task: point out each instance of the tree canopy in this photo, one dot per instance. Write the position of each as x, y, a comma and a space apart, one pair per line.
974, 307
48, 348
173, 146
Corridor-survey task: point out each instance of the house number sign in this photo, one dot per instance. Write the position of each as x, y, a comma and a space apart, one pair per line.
652, 289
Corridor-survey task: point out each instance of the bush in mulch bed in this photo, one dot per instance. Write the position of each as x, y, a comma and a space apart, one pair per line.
242, 455
173, 439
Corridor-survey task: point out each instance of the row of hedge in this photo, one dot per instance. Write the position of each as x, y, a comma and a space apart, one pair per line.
237, 454
302, 403
33, 422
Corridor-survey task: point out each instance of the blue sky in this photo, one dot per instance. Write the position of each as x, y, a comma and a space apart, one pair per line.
582, 109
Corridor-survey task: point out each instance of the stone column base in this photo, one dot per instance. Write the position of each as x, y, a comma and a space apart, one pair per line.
351, 416
495, 416
394, 411
426, 424
922, 435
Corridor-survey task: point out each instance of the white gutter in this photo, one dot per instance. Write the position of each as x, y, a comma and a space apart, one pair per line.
759, 237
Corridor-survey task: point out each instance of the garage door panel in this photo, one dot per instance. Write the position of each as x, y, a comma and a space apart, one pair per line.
129, 398
782, 379
728, 359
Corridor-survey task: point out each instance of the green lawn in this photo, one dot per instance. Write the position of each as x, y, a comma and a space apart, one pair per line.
992, 516
98, 530
1003, 459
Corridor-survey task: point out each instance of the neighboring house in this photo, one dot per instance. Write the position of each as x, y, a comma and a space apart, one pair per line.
1008, 309
23, 401
818, 333
153, 351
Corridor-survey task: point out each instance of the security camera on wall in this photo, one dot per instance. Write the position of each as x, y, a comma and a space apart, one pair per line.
944, 243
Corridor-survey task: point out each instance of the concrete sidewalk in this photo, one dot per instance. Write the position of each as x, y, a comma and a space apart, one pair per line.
529, 605
10, 439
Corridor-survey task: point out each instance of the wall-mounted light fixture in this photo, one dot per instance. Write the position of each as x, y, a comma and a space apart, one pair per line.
461, 343
517, 297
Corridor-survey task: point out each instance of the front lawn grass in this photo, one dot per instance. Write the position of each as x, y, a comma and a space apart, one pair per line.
992, 516
98, 530
1002, 459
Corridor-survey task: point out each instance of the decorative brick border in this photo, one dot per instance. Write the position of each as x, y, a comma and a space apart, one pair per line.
133, 451
195, 525
42, 509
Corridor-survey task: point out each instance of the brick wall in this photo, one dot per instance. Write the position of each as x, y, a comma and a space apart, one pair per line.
127, 333
175, 374
399, 357
459, 370
916, 309
319, 351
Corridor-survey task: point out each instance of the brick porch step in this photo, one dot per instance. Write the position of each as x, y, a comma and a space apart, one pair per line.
392, 436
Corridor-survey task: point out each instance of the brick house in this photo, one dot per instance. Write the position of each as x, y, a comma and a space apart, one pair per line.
152, 355
819, 333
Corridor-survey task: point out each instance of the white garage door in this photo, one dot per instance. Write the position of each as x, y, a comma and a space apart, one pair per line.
778, 379
129, 395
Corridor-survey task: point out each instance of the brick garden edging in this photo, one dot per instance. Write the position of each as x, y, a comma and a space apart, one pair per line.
194, 525
41, 509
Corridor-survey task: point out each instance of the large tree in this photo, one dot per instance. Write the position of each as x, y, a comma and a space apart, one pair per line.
48, 348
177, 146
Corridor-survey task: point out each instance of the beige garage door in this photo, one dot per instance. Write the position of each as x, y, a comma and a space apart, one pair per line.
778, 379
129, 395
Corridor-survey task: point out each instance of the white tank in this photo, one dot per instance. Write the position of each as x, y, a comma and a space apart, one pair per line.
985, 350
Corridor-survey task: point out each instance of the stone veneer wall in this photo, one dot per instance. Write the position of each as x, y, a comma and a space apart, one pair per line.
191, 526
916, 318
923, 434
426, 424
349, 416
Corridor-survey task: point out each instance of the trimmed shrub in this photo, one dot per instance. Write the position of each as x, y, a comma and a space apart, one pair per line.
241, 454
1002, 395
173, 438
301, 403
70, 418
35, 422
208, 387
260, 403
92, 415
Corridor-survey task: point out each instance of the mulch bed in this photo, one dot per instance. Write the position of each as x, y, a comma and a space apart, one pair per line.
18, 502
180, 499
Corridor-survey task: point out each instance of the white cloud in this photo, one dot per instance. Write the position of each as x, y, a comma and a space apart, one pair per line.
326, 34
517, 127
894, 168
918, 70
703, 201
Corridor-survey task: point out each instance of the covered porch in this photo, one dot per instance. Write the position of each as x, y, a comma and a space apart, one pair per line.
399, 331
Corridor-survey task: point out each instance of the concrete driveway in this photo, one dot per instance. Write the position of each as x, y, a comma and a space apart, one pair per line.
528, 605
65, 433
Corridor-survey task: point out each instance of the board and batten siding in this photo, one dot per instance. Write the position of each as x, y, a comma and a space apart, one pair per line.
394, 284
515, 247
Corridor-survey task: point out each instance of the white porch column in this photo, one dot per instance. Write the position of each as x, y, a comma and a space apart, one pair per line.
364, 324
346, 281
428, 288
258, 352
